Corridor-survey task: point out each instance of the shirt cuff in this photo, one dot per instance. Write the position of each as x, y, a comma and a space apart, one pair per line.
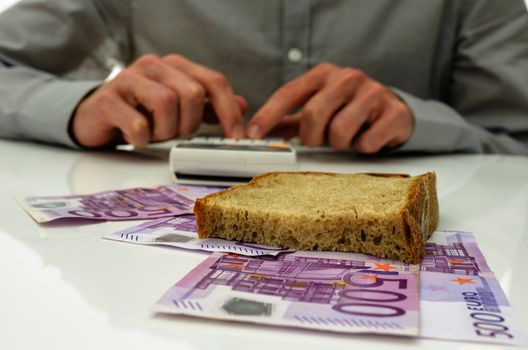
437, 127
49, 109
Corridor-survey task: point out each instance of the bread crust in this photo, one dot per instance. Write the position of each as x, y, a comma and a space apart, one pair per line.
421, 214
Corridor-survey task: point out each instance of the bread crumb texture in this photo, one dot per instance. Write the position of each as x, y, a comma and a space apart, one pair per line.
385, 215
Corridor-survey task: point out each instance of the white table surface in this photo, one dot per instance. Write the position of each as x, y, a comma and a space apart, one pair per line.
66, 288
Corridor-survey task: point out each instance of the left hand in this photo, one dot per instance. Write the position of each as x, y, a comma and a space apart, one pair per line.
341, 105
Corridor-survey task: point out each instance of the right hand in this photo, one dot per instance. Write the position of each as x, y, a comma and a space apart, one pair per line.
157, 99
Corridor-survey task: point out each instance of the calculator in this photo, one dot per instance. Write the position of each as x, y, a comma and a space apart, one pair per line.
218, 160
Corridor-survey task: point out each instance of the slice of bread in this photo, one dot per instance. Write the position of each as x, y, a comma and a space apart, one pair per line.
385, 215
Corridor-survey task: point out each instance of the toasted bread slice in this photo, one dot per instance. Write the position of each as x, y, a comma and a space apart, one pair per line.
385, 215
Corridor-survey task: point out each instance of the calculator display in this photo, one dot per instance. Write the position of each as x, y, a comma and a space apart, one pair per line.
279, 148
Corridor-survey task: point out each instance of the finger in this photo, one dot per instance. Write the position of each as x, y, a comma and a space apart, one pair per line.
287, 98
242, 104
363, 109
392, 128
191, 94
210, 117
218, 90
316, 114
133, 125
160, 102
346, 124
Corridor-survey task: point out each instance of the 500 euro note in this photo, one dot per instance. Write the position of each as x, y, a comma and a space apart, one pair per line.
181, 232
339, 292
460, 297
128, 204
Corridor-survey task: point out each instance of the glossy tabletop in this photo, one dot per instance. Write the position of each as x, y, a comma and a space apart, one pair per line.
63, 287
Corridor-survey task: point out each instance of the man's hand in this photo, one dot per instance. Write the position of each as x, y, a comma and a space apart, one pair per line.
341, 105
156, 99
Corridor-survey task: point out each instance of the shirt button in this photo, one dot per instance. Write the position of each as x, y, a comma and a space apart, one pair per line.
295, 55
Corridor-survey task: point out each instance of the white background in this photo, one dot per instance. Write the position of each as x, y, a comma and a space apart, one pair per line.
6, 3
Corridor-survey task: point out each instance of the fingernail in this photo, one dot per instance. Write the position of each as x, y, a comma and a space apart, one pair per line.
237, 132
254, 131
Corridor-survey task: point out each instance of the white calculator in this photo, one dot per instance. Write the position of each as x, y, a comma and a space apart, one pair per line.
218, 160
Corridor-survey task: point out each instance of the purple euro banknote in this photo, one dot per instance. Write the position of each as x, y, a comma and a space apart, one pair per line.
129, 204
338, 292
180, 232
193, 192
460, 297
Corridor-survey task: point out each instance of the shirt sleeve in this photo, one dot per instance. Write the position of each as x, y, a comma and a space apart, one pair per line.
53, 53
486, 110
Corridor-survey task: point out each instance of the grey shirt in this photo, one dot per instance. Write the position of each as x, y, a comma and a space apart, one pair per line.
460, 65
